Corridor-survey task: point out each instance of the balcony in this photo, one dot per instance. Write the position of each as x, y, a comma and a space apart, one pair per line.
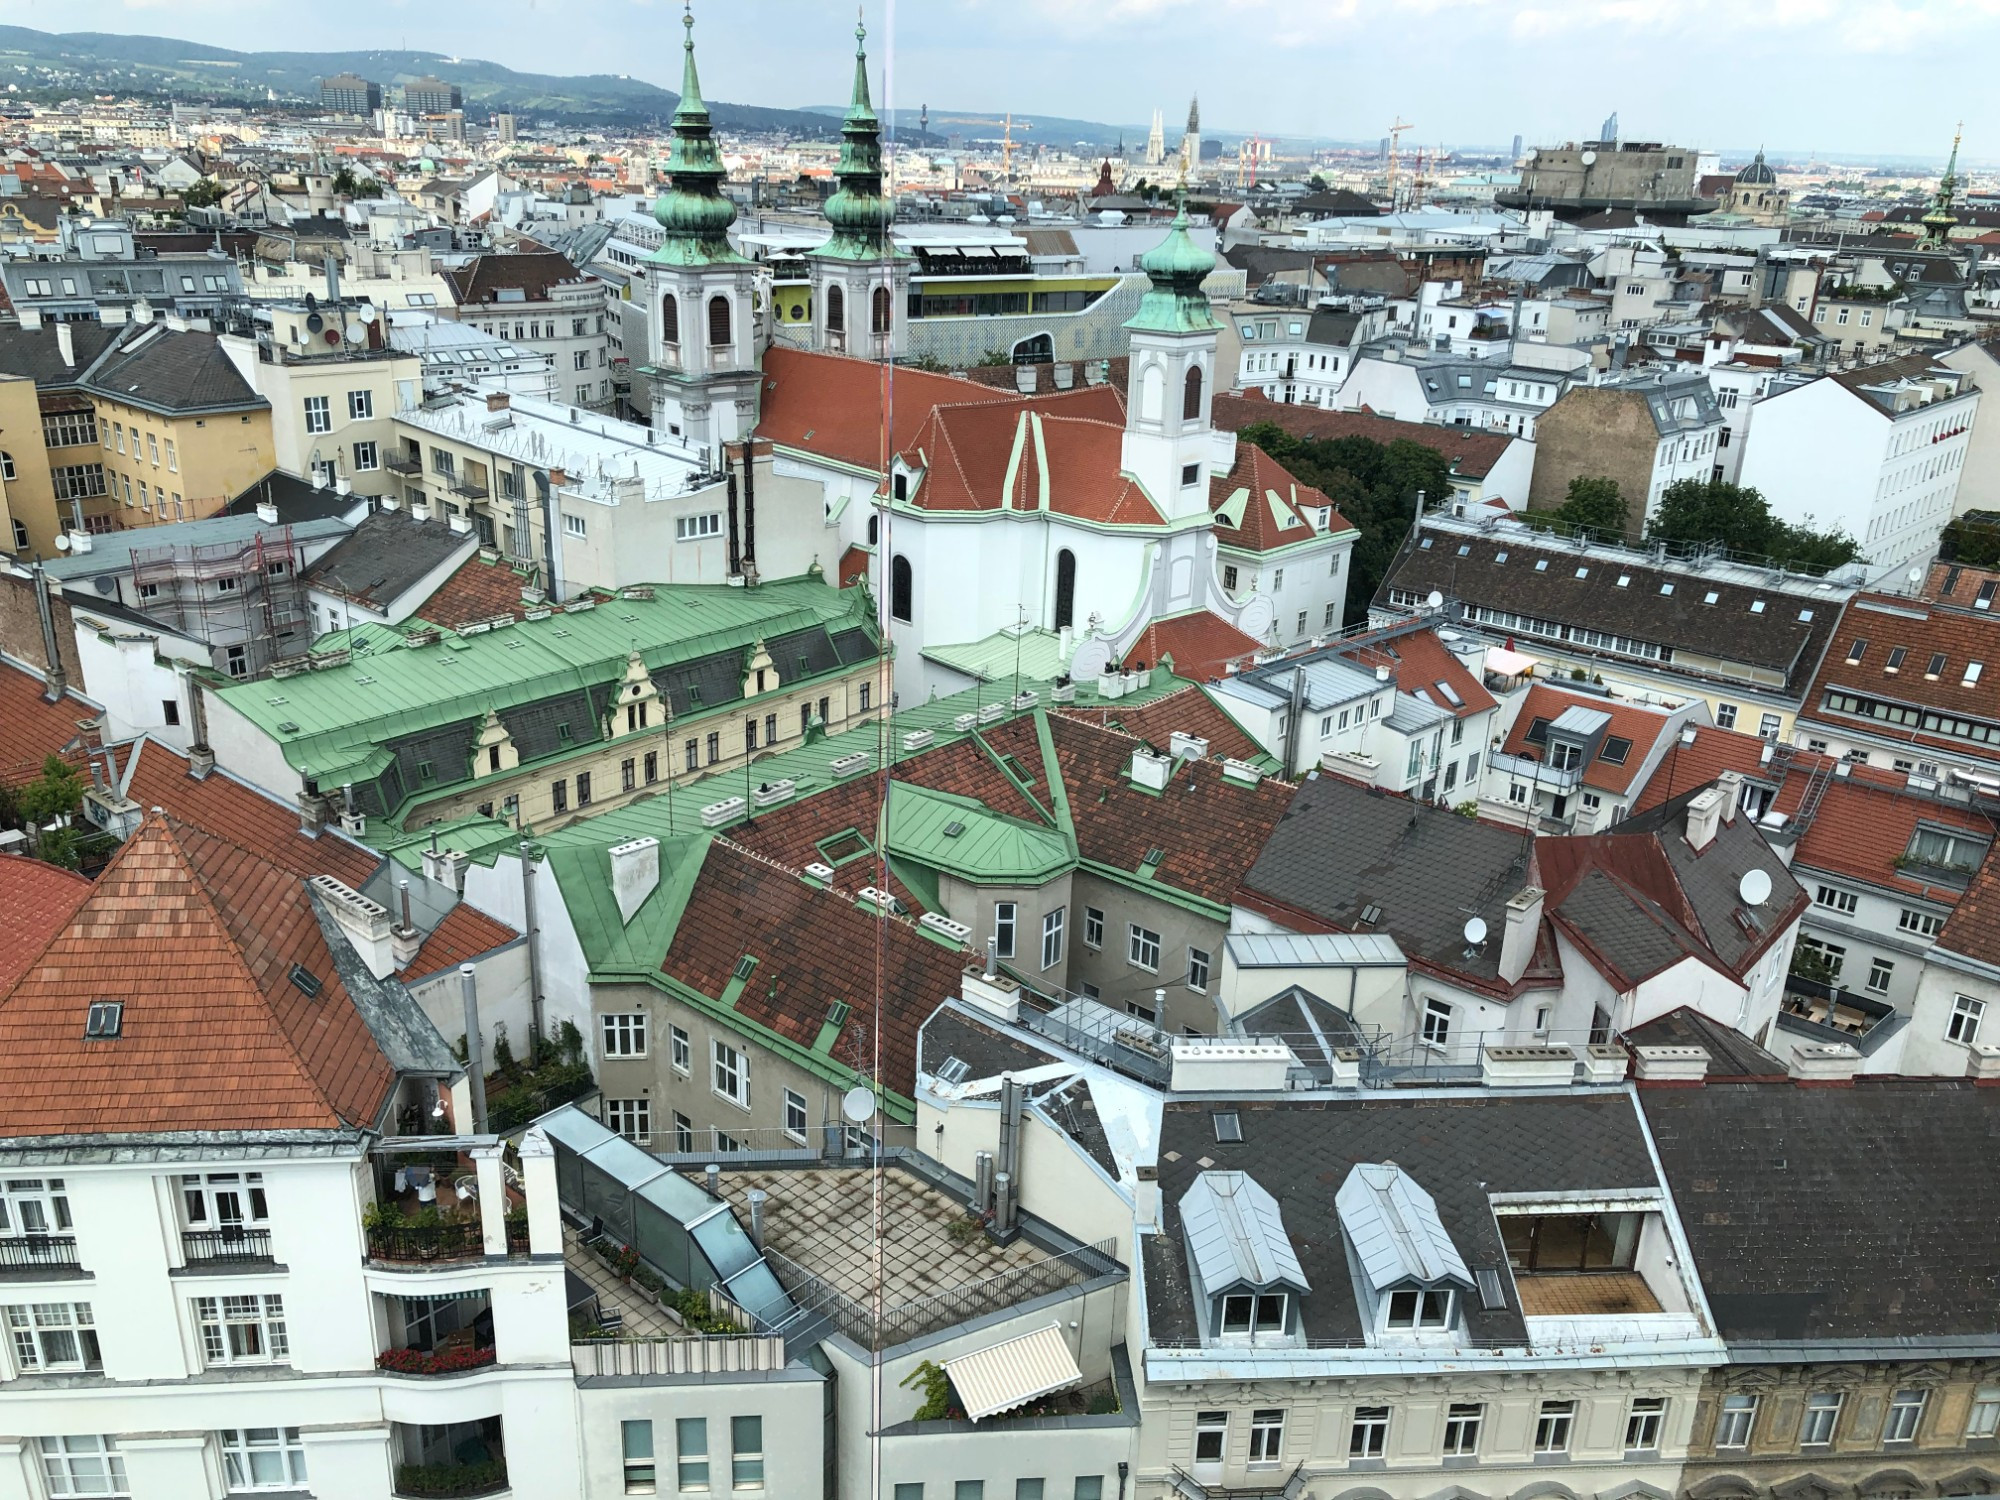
404, 463
439, 1336
237, 1245
458, 1459
38, 1255
429, 1210
468, 488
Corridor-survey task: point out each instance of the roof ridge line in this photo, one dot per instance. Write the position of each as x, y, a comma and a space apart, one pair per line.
759, 857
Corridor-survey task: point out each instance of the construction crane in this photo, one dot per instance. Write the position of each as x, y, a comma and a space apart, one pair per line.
1396, 154
1007, 143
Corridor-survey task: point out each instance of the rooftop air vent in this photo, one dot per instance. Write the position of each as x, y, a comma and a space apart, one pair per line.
305, 981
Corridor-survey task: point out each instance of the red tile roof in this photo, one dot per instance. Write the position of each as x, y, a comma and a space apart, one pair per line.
1188, 711
1068, 443
464, 934
1470, 452
814, 948
1888, 623
835, 407
197, 938
32, 729
1198, 642
1974, 928
1642, 726
1955, 583
1268, 482
39, 899
1423, 664
479, 590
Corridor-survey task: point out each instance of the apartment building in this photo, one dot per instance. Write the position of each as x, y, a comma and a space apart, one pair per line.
1662, 625
1577, 758
540, 300
220, 1286
1876, 452
1646, 429
93, 270
1302, 354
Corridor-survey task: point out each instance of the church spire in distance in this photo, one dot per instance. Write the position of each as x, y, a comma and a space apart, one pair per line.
1940, 221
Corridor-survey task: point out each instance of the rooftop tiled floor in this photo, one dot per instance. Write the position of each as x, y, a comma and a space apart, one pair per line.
1585, 1296
643, 1318
823, 1219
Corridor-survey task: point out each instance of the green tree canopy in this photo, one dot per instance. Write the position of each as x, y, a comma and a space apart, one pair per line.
56, 793
203, 194
1702, 511
1595, 502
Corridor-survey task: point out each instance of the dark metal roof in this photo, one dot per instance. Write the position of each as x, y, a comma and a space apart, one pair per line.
1730, 1053
35, 353
1861, 1212
296, 499
173, 370
386, 555
1459, 1150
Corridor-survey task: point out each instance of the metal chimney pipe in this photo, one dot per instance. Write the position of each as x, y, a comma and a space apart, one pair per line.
57, 678
475, 1053
757, 1197
712, 1179
1007, 1165
404, 886
982, 1182
1003, 1204
992, 957
1159, 1007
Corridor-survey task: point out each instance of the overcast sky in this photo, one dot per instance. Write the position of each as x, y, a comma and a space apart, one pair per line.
1826, 76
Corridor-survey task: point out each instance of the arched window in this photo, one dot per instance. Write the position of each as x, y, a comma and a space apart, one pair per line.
1065, 588
882, 309
1191, 395
836, 310
718, 320
1152, 394
874, 530
900, 589
6, 466
670, 319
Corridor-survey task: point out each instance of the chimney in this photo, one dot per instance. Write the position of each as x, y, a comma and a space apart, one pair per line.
404, 939
1730, 784
1704, 816
635, 874
364, 923
498, 400
1670, 1064
268, 513
475, 1051
1526, 1067
1007, 1161
201, 759
1825, 1063
1524, 926
1150, 771
757, 1197
982, 1183
711, 1176
56, 681
342, 485
420, 510
1984, 1062
66, 345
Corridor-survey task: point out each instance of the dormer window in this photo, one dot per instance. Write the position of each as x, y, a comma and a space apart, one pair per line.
1245, 1272
1419, 1308
1262, 1312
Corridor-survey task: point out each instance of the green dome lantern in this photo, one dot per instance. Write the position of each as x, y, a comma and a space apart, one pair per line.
1177, 266
859, 210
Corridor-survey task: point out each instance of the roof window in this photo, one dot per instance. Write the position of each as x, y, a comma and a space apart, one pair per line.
1425, 544
1615, 750
104, 1021
1228, 1126
1499, 557
1756, 606
1666, 588
1935, 668
1896, 655
1624, 580
1972, 671
1858, 650
1541, 565
1583, 572
1805, 617
1710, 597
304, 981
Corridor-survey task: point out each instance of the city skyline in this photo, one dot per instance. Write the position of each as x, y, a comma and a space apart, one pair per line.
1481, 73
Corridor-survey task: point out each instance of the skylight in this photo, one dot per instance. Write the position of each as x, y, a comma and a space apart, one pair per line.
1228, 1126
106, 1019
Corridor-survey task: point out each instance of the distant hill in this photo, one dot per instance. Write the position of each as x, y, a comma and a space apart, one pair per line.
100, 62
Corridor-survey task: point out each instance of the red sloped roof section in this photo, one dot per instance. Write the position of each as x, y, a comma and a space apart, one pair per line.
39, 899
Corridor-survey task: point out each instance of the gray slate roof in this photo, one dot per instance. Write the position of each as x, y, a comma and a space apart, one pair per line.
34, 352
174, 371
1832, 1214
386, 555
1461, 1149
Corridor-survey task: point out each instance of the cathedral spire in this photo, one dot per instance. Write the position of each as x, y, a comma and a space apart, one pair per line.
858, 210
1940, 221
693, 211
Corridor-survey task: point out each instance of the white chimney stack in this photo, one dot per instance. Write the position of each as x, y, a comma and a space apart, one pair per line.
1704, 816
1671, 1064
1730, 785
635, 874
364, 923
1825, 1062
66, 345
1151, 771
1523, 927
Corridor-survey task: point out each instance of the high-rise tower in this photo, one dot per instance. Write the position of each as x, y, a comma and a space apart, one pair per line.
860, 280
702, 336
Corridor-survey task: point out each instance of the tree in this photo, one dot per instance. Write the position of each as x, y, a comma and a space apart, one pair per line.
1594, 503
343, 182
1738, 517
203, 194
1317, 183
367, 187
57, 793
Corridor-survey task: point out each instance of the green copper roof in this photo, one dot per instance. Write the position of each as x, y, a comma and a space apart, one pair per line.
859, 210
693, 211
1037, 655
961, 837
334, 723
1175, 303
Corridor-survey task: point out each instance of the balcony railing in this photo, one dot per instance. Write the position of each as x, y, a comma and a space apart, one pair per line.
704, 1355
416, 1244
469, 489
208, 1247
38, 1252
440, 1361
405, 463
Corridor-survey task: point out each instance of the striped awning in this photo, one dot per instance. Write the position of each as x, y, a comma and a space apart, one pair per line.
1014, 1372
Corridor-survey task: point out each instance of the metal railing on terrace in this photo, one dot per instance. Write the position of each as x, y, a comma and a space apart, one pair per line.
679, 1354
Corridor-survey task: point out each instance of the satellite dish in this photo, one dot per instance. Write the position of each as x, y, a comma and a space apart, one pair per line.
367, 313
1590, 158
315, 322
332, 335
1754, 887
858, 1105
1475, 931
1434, 600
62, 543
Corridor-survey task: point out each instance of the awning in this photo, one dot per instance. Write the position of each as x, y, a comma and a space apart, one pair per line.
1010, 1374
1509, 663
